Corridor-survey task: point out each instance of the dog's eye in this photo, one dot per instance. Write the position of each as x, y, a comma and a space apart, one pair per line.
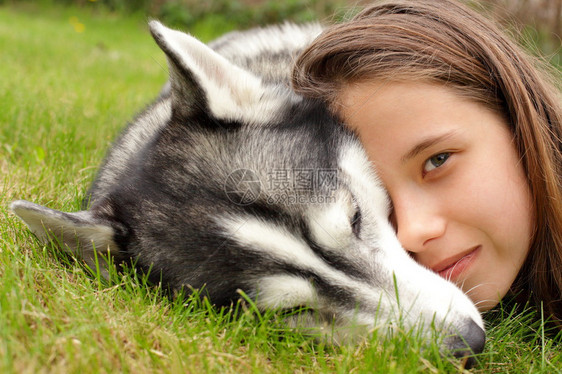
356, 222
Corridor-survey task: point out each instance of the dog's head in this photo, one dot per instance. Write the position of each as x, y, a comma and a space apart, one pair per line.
246, 186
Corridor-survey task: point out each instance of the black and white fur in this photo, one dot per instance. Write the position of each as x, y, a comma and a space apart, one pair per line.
160, 198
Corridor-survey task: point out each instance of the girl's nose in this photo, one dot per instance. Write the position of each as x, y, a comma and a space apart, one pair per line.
417, 223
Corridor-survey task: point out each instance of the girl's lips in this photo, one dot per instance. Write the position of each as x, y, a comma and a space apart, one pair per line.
451, 268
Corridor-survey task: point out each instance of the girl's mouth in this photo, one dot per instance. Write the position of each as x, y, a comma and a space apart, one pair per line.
453, 267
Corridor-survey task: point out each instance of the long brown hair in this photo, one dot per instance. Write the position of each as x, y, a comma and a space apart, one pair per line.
447, 42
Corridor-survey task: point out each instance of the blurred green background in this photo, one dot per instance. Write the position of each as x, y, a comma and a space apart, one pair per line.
537, 24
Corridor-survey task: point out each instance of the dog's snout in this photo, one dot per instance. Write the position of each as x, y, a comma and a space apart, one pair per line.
470, 340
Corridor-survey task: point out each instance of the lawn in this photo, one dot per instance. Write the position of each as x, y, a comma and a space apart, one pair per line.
70, 79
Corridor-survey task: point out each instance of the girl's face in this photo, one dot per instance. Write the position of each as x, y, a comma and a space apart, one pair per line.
461, 203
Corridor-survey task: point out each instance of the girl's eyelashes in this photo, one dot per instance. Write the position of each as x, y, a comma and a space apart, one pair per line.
435, 162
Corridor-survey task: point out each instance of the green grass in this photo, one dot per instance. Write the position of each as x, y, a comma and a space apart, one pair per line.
64, 95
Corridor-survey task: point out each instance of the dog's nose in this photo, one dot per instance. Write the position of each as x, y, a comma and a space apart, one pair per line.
471, 340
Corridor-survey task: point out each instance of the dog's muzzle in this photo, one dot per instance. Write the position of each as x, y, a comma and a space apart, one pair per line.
467, 343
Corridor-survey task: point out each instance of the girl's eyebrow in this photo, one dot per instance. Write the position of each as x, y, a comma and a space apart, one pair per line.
425, 144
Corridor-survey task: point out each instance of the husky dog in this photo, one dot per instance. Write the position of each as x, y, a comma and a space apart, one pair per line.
230, 181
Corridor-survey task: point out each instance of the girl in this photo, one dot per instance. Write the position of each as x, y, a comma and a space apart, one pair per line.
465, 133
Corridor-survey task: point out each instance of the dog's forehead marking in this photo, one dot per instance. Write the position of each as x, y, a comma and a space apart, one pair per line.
360, 177
330, 223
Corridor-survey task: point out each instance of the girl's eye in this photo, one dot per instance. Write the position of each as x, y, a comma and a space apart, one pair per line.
436, 161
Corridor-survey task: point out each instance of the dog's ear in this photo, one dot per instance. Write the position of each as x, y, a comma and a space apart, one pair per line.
81, 233
203, 79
